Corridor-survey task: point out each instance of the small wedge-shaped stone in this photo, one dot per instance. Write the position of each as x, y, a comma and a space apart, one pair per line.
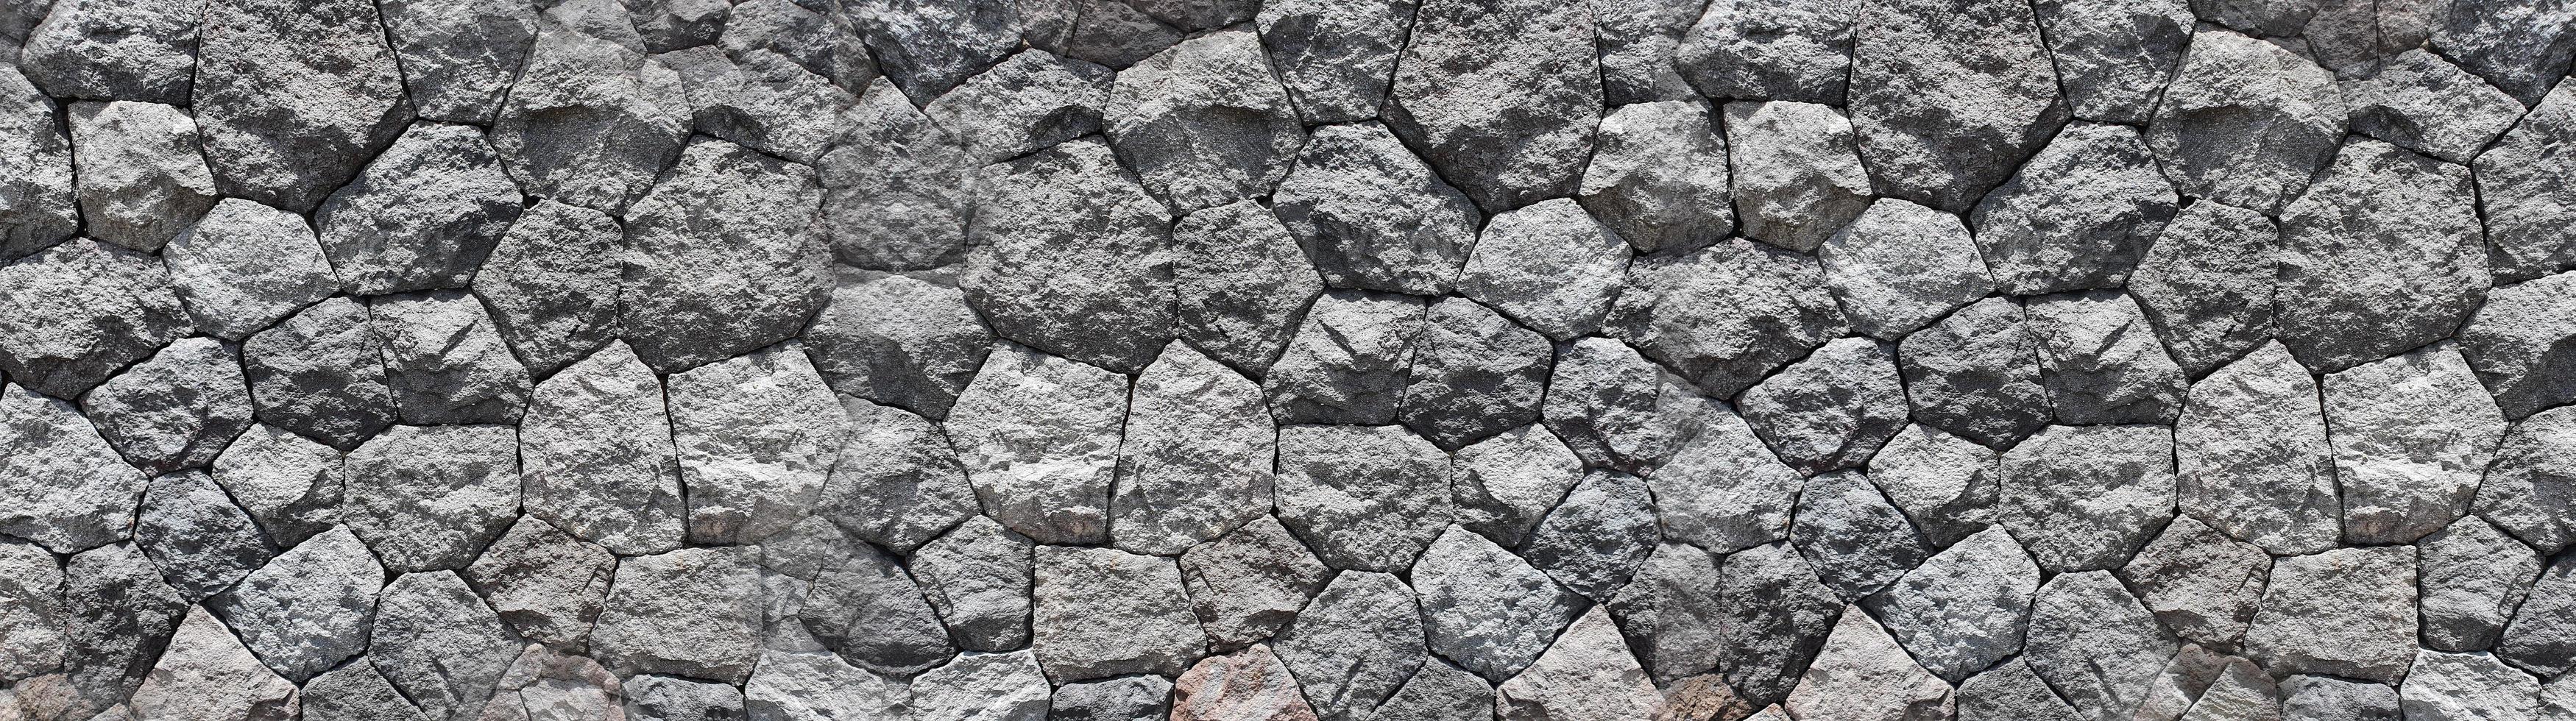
1249, 685
1039, 437
1723, 490
546, 584
1597, 536
2381, 255
928, 46
2347, 612
1474, 374
2203, 585
2526, 490
897, 483
357, 692
1586, 675
1799, 50
2114, 57
176, 409
244, 266
2245, 122
2542, 636
117, 618
444, 361
2463, 686
1728, 315
2474, 576
1963, 609
1364, 497
31, 611
309, 608
1372, 216
1248, 583
290, 484
757, 436
201, 541
894, 192
693, 612
1104, 612
1949, 97
1195, 458
2092, 641
1776, 617
1635, 40
1205, 123
1242, 282
1977, 374
1030, 102
2412, 434
1439, 692
1796, 171
2011, 692
1945, 484
2518, 342
2078, 215
2100, 362
1125, 698
552, 284
1485, 608
1335, 57
1856, 540
114, 50
2517, 47
1069, 257
36, 204
1900, 266
80, 311
797, 685
997, 686
592, 120
762, 100
1462, 55
142, 178
1355, 644
206, 675
2087, 497
321, 373
2240, 691
866, 608
2423, 103
1832, 409
977, 577
294, 96
900, 341
1863, 675
1669, 612
1658, 176
2252, 458
69, 490
2208, 283
430, 497
1505, 484
1547, 265
422, 216
722, 258
2524, 205
459, 57
1347, 362
440, 645
598, 456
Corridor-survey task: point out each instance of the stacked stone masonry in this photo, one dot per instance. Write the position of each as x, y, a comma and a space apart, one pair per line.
1287, 360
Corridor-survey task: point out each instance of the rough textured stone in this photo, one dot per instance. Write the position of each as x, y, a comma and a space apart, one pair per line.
1363, 497
1945, 484
1204, 123
2318, 698
1250, 685
1474, 374
1728, 315
547, 585
1461, 55
1243, 284
144, 178
355, 692
2348, 612
1372, 215
2526, 489
1658, 175
756, 437
2011, 691
763, 100
977, 577
430, 497
2467, 686
2076, 217
2522, 205
290, 484
207, 674
1600, 404
2518, 342
1900, 266
721, 258
1597, 536
175, 410
2411, 434
1505, 484
243, 266
2474, 576
1977, 374
1485, 608
2245, 122
2516, 47
894, 195
31, 611
1947, 97
1126, 698
1104, 612
1069, 257
117, 618
294, 96
422, 216
867, 608
2114, 57
1039, 435
799, 685
113, 50
321, 373
1723, 491
1963, 609
199, 539
1548, 265
309, 608
1800, 51
1587, 675
2087, 497
1852, 536
1355, 644
444, 362
693, 612
1863, 674
1195, 458
1248, 583
1336, 58
82, 310
897, 483
39, 209
2384, 222
1767, 644
441, 647
597, 455
2252, 459
2542, 636
592, 119
666, 698
1832, 409
1796, 170
900, 341
2099, 360
2208, 284
2422, 102
996, 686
2092, 641
74, 493
1669, 613
1032, 101
459, 57
2203, 585
551, 284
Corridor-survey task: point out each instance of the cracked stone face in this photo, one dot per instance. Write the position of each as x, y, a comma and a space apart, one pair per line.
1287, 360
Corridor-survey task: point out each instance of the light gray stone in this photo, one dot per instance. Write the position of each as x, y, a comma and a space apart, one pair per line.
667, 698
1439, 692
1248, 583
1069, 256
320, 373
596, 454
1485, 608
1947, 98
866, 607
294, 96
1373, 216
1796, 171
2113, 58
422, 216
763, 100
1205, 122
2519, 48
2011, 692
1355, 644
2347, 612
2099, 360
2078, 215
1832, 409
2319, 698
894, 192
2092, 641
1856, 540
31, 611
977, 577
356, 692
1459, 56
693, 612
2523, 206
1348, 361
757, 437
2208, 284
1243, 284
117, 618
1670, 613
243, 266
459, 57
1863, 674
1900, 266
2444, 686
2411, 435
548, 585
1587, 675
1727, 315
1602, 405
721, 258
207, 674
1963, 609
2245, 122
897, 482
1126, 698
1549, 266
1658, 176
2518, 344
200, 540
430, 497
1195, 457
1474, 374
900, 341
2203, 585
1723, 491
2252, 459
113, 50
175, 410
1977, 374
81, 311
1505, 484
444, 361
2387, 220
441, 647
1039, 436
2474, 576
1103, 612
309, 608
983, 686
587, 80
1945, 484
74, 493
1032, 101
1595, 538
1799, 51
40, 209
2526, 490
290, 484
801, 686
143, 178
551, 284
2542, 636
1335, 57
2423, 103
1776, 618
2088, 497
1364, 497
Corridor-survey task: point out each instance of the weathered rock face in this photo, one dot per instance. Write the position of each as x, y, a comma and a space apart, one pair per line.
2088, 497
243, 266
721, 258
694, 612
1039, 437
422, 216
1104, 612
1094, 289
1658, 176
1195, 459
2348, 612
1459, 56
294, 96
2380, 217
756, 439
2245, 122
430, 497
1372, 215
1364, 497
146, 180
1727, 315
1949, 96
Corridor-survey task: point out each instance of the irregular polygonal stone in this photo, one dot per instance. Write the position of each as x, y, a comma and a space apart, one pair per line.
1977, 374
2519, 48
897, 483
79, 312
1505, 484
429, 497
1195, 457
2527, 490
356, 692
201, 541
1832, 409
2381, 255
1862, 674
1355, 644
900, 341
68, 491
207, 675
1723, 491
693, 612
927, 47
1547, 265
2411, 434
2240, 691
309, 608
2187, 679
2092, 641
1069, 257
2542, 636
1900, 266
2524, 206
294, 96
2353, 40
290, 485
1945, 484
592, 120
1776, 618
1126, 698
1108, 32
1242, 282
1601, 402
546, 584
1851, 535
1948, 98
459, 56
2252, 459
1104, 612
544, 682
551, 284
2474, 576
1439, 692
1365, 497
2422, 102
2011, 692
869, 610
1658, 176
1473, 374
423, 215
598, 456
142, 178
1669, 613
1963, 609
1335, 56
1635, 40
176, 409
2318, 698
1798, 50
2245, 122
1039, 435
1727, 315
1460, 56
1587, 675
2348, 612
2099, 360
243, 266
819, 686
440, 645
1204, 123
894, 194
722, 258
117, 617
2113, 58
983, 686
1347, 362
1485, 608
2208, 282
1246, 584
36, 186
665, 698
756, 437
1030, 102
1250, 685
114, 50
1371, 215
444, 361
2203, 585
1797, 173
2519, 344
977, 578
762, 100
2087, 497
2078, 215
2461, 686
31, 611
